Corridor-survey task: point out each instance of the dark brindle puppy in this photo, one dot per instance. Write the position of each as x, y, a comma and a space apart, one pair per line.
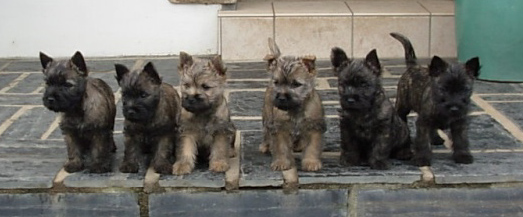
87, 109
440, 94
152, 110
206, 128
293, 117
371, 131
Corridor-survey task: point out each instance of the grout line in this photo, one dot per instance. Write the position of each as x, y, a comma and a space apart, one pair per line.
500, 118
352, 200
248, 90
247, 118
13, 118
14, 82
508, 101
19, 94
322, 83
117, 95
426, 174
447, 141
38, 89
34, 106
273, 22
5, 65
51, 128
60, 177
21, 72
330, 102
232, 176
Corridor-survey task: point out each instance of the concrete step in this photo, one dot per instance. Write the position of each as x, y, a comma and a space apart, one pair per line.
314, 27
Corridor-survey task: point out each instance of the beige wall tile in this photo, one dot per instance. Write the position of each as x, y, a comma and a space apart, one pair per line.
245, 38
386, 8
443, 36
313, 35
319, 8
373, 32
439, 7
249, 9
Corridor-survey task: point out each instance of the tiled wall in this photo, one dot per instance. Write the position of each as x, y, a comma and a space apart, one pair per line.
313, 27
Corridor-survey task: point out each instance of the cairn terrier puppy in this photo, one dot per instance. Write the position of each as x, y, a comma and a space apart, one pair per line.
87, 109
151, 109
293, 117
206, 129
440, 94
371, 131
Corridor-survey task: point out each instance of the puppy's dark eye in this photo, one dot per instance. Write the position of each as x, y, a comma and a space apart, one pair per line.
144, 95
206, 87
296, 84
276, 82
68, 85
186, 85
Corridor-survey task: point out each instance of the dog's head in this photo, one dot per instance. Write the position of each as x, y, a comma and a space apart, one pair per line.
452, 85
140, 92
202, 82
358, 80
65, 82
292, 78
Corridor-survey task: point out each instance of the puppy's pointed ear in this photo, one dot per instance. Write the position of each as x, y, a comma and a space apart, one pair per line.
310, 63
437, 66
121, 70
78, 61
372, 61
274, 53
185, 61
150, 71
472, 66
217, 64
45, 60
338, 59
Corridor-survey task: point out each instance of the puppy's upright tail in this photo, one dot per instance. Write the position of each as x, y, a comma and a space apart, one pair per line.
410, 56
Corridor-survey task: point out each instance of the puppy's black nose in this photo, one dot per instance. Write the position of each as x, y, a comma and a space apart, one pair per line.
282, 96
51, 99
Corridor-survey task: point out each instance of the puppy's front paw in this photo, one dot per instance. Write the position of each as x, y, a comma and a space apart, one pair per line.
463, 157
129, 167
311, 164
163, 167
281, 164
181, 168
420, 161
379, 165
100, 168
72, 166
218, 166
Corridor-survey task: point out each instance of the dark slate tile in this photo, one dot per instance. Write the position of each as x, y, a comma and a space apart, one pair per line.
70, 204
325, 72
331, 109
24, 66
250, 203
31, 125
3, 62
512, 111
248, 103
486, 133
5, 79
33, 99
107, 78
487, 168
255, 166
247, 66
441, 202
30, 164
494, 87
248, 74
111, 179
107, 65
332, 135
248, 124
329, 95
247, 84
396, 70
7, 112
333, 172
119, 111
29, 84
